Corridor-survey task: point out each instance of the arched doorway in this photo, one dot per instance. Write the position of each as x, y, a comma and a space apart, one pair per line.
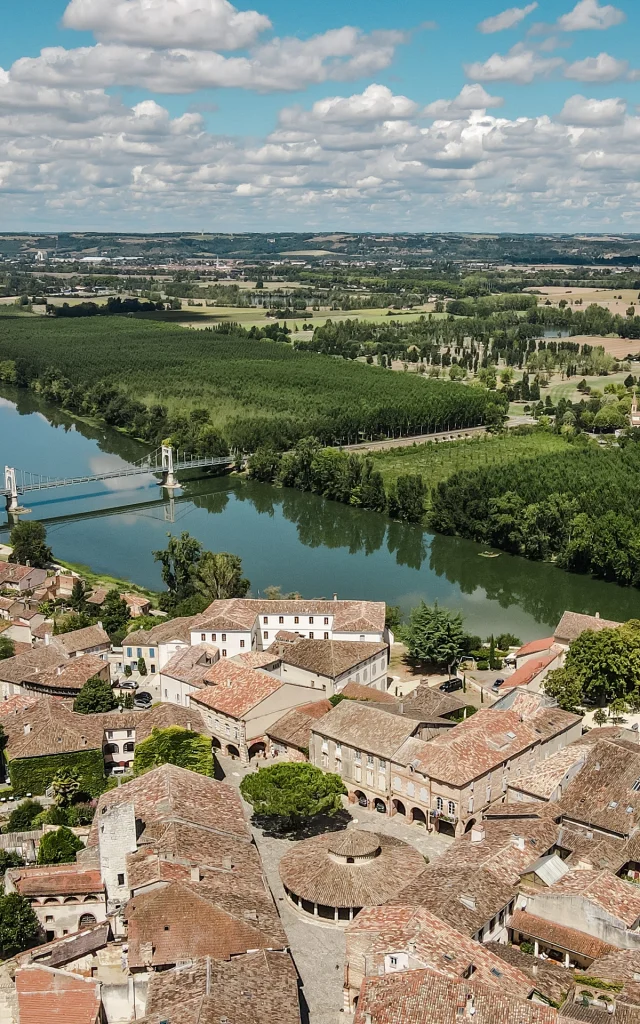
361, 798
399, 807
380, 806
232, 751
215, 743
258, 749
86, 920
470, 825
418, 817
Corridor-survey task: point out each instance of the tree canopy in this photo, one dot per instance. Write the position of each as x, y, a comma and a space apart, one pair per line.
293, 793
22, 817
193, 574
435, 636
59, 847
19, 926
7, 648
174, 745
115, 616
29, 543
95, 696
600, 668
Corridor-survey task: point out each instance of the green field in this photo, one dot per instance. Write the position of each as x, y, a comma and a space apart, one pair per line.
438, 461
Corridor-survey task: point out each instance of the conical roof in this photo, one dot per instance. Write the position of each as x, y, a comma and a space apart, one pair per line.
354, 843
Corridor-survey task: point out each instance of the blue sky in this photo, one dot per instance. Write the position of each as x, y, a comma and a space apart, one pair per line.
164, 114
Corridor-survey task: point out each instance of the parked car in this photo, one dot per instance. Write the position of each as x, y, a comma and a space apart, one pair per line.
142, 701
498, 683
450, 685
127, 684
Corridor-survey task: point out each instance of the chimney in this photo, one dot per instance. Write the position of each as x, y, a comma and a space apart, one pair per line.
229, 684
478, 834
99, 624
401, 708
207, 990
227, 864
468, 901
47, 639
518, 842
367, 1018
597, 615
335, 598
195, 874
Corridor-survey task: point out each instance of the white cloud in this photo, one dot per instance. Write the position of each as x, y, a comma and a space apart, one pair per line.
198, 24
507, 19
588, 14
578, 110
280, 65
519, 65
470, 97
376, 103
602, 68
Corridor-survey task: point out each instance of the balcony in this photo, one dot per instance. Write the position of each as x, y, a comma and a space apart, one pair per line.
443, 816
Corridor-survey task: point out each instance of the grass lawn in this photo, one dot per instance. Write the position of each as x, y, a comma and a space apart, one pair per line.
248, 316
437, 461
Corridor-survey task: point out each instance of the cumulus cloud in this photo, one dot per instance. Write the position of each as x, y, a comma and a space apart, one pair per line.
284, 64
507, 19
470, 97
199, 24
519, 65
588, 14
376, 103
602, 68
578, 110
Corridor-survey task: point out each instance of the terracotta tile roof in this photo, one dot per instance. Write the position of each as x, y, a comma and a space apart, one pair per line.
39, 632
13, 573
569, 939
466, 898
603, 794
190, 664
424, 997
535, 647
45, 994
286, 636
481, 743
6, 602
241, 613
572, 624
620, 965
71, 675
97, 596
508, 848
619, 898
46, 727
24, 667
258, 659
160, 716
429, 702
233, 689
359, 725
548, 978
331, 658
19, 702
169, 793
68, 948
56, 880
167, 850
311, 872
294, 728
551, 772
431, 943
528, 672
257, 988
164, 632
180, 922
82, 639
358, 691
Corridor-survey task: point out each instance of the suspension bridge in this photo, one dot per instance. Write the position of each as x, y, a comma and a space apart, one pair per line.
164, 462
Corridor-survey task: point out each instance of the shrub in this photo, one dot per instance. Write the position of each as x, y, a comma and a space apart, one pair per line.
58, 847
35, 774
22, 818
174, 745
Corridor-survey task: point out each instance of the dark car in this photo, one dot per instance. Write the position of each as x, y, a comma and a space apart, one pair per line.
142, 700
498, 683
450, 685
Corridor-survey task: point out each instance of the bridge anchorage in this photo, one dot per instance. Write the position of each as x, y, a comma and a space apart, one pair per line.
165, 462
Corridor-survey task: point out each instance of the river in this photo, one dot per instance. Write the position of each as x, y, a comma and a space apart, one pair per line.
286, 538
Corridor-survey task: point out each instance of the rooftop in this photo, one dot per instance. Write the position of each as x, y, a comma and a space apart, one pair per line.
166, 631
233, 689
547, 977
11, 572
572, 624
56, 880
82, 639
258, 659
428, 702
359, 691
606, 791
551, 772
425, 997
241, 613
316, 869
569, 939
57, 997
528, 672
359, 725
25, 667
70, 675
46, 726
294, 728
331, 658
535, 647
189, 664
619, 898
466, 898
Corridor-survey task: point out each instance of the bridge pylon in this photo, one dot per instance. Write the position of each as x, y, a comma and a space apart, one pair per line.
168, 477
13, 505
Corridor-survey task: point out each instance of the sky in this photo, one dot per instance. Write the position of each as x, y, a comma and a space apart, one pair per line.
424, 115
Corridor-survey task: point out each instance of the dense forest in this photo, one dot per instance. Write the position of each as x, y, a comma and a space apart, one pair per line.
210, 389
578, 506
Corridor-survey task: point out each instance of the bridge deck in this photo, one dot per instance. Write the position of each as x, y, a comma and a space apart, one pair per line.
46, 483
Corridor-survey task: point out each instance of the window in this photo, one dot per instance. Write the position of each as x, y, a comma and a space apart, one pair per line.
311, 635
110, 735
223, 637
338, 749
203, 637
382, 765
152, 652
364, 675
470, 805
325, 761
369, 760
311, 620
393, 961
224, 652
120, 879
265, 619
227, 728
153, 670
326, 620
129, 733
362, 636
281, 619
242, 643
439, 803
129, 652
49, 917
325, 745
139, 651
358, 756
326, 636
452, 807
265, 635
166, 693
296, 620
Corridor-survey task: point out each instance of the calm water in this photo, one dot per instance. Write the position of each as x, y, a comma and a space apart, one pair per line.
294, 540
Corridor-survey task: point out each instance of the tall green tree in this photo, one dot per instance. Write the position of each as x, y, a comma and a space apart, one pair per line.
180, 561
65, 785
59, 847
19, 926
22, 817
435, 636
115, 616
29, 543
7, 648
95, 696
293, 793
219, 576
78, 599
406, 498
174, 745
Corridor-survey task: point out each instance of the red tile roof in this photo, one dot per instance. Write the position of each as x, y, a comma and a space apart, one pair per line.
56, 997
528, 672
56, 880
535, 646
233, 689
19, 702
569, 939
